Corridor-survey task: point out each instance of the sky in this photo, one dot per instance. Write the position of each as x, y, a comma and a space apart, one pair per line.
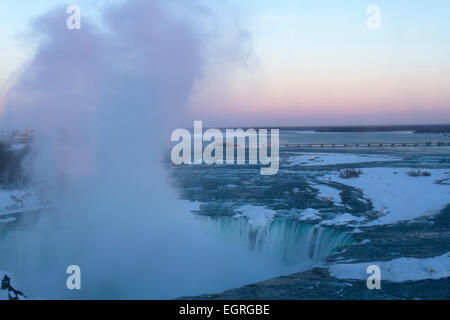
309, 62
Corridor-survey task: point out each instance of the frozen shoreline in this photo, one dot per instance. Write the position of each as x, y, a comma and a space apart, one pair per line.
19, 200
322, 159
397, 270
397, 195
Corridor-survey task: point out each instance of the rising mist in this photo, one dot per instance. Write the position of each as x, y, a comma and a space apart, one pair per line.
100, 100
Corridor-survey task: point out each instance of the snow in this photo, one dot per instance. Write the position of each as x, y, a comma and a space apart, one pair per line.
397, 270
340, 220
399, 196
312, 215
328, 192
309, 214
321, 159
18, 200
257, 216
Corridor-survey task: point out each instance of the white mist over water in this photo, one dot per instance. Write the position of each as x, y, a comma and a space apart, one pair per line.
99, 101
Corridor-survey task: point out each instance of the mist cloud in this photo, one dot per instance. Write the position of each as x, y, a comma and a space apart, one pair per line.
99, 100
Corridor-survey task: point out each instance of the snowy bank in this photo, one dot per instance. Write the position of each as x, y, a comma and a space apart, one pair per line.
397, 195
397, 270
17, 200
327, 192
257, 216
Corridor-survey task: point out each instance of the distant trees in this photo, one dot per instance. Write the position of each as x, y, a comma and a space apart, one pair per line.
10, 166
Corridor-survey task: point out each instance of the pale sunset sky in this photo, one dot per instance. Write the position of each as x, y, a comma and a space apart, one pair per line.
312, 62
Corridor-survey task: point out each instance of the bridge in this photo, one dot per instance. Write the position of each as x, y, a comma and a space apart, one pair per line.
367, 144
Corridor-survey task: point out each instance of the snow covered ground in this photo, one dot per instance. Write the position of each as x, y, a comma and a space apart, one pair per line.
328, 192
310, 214
399, 196
322, 159
18, 200
397, 270
257, 216
342, 219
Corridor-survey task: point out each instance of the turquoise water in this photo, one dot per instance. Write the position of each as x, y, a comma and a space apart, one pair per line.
297, 245
223, 190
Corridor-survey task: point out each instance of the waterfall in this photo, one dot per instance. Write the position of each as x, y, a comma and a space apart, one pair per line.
290, 241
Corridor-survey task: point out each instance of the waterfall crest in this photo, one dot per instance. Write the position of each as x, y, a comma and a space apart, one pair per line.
291, 241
